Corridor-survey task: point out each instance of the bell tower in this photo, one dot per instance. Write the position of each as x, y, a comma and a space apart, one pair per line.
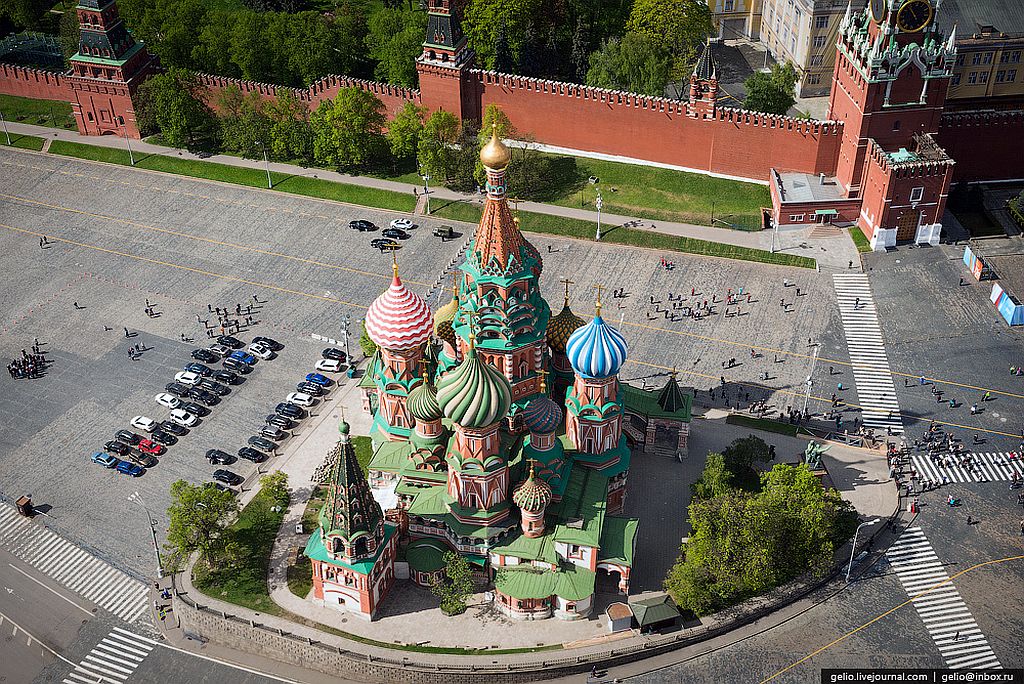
444, 65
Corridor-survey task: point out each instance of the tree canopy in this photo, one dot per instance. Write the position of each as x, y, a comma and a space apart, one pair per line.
347, 129
174, 104
198, 513
636, 63
454, 585
404, 131
773, 93
394, 41
678, 26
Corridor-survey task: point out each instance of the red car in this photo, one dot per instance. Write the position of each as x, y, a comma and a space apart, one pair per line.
148, 446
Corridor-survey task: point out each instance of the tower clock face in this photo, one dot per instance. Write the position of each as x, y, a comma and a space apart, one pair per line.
914, 15
878, 10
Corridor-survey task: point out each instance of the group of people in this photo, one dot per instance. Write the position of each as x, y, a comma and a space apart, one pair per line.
230, 321
28, 366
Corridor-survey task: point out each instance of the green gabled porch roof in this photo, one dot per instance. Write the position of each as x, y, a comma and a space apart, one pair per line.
580, 513
539, 548
618, 539
366, 381
466, 530
570, 582
653, 610
315, 550
390, 456
428, 501
645, 403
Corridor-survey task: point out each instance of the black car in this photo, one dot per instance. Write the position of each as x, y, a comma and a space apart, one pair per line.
165, 438
199, 368
115, 447
227, 477
144, 460
229, 341
280, 422
218, 457
237, 366
226, 377
177, 389
128, 437
214, 386
361, 225
384, 244
205, 396
262, 444
198, 409
312, 389
250, 454
204, 355
272, 343
395, 233
173, 428
290, 410
274, 433
333, 353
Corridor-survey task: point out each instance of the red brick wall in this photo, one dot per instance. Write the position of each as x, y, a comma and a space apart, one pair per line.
985, 145
36, 83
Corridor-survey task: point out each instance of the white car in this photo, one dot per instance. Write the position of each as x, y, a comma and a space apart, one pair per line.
219, 349
328, 365
402, 224
262, 351
184, 418
300, 398
188, 378
143, 423
168, 400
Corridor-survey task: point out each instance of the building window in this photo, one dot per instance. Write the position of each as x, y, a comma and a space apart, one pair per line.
896, 125
819, 41
816, 60
814, 79
956, 79
796, 218
916, 194
575, 551
983, 77
1011, 75
960, 59
1000, 76
972, 77
986, 58
821, 22
976, 58
729, 5
1015, 57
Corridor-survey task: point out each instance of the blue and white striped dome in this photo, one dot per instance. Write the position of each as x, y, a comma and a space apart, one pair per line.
596, 350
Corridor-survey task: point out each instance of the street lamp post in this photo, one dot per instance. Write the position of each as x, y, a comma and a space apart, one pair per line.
4, 122
426, 190
266, 160
131, 157
344, 330
598, 203
137, 498
853, 550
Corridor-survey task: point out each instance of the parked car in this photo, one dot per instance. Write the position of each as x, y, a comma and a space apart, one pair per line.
205, 396
385, 244
193, 407
115, 447
270, 342
184, 418
214, 386
290, 411
227, 477
261, 351
237, 366
188, 378
361, 225
226, 377
250, 454
311, 389
204, 355
129, 468
176, 388
262, 443
105, 460
173, 428
167, 400
218, 457
282, 422
333, 353
220, 350
128, 437
244, 357
318, 379
144, 460
164, 438
395, 234
199, 368
300, 398
402, 224
148, 446
143, 423
274, 433
444, 232
328, 365
230, 342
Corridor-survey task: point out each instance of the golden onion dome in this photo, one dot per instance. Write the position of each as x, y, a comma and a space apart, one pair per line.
443, 319
561, 327
495, 155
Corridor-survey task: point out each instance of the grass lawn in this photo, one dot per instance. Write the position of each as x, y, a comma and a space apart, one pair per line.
584, 230
53, 113
25, 142
255, 178
762, 424
245, 584
860, 240
300, 577
363, 447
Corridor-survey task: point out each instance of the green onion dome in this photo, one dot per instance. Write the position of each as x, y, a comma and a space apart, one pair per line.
422, 403
533, 495
474, 394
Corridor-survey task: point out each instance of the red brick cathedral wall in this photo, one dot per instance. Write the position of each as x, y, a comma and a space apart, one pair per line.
27, 82
985, 145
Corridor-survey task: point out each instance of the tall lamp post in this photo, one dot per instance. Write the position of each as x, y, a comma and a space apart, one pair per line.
426, 189
853, 550
266, 160
131, 157
345, 321
137, 498
4, 122
598, 203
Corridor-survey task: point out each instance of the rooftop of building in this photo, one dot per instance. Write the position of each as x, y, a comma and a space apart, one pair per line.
1009, 269
981, 16
806, 187
570, 582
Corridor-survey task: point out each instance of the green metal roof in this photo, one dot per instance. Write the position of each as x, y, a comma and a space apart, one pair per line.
580, 513
428, 501
390, 456
569, 582
645, 402
89, 59
315, 550
652, 610
618, 540
539, 548
425, 555
371, 369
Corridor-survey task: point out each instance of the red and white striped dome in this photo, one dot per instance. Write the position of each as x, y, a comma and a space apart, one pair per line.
399, 319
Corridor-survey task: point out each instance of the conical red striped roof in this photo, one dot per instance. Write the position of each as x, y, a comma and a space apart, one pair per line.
399, 319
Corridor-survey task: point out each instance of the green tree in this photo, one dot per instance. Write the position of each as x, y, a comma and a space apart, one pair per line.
435, 150
25, 14
454, 585
404, 131
394, 41
243, 122
347, 129
529, 58
483, 19
678, 26
212, 52
290, 133
198, 514
366, 343
774, 92
275, 485
502, 61
636, 63
175, 104
579, 57
742, 458
715, 480
69, 33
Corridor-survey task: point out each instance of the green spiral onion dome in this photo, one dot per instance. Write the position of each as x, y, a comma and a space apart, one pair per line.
422, 403
474, 394
533, 495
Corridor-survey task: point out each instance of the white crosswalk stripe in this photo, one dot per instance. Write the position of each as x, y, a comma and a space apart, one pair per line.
985, 466
880, 409
75, 568
939, 605
112, 660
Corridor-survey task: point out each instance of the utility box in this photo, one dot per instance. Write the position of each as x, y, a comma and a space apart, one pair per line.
24, 505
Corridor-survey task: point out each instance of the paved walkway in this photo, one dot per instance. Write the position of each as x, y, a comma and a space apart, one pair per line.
831, 247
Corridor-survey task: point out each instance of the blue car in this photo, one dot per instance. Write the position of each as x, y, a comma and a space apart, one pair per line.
318, 379
129, 468
244, 357
104, 459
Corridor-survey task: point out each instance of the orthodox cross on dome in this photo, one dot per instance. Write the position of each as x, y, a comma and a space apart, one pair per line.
567, 283
600, 288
